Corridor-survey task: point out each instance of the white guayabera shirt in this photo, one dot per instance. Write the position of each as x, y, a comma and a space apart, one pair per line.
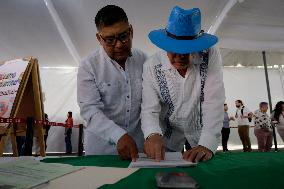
110, 100
171, 104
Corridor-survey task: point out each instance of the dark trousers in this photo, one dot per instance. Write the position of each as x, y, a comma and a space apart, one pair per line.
45, 139
68, 143
225, 137
21, 145
243, 131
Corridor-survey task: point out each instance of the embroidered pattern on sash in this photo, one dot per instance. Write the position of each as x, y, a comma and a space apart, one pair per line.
165, 93
203, 75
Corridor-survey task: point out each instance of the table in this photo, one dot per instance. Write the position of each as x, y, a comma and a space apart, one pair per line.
226, 170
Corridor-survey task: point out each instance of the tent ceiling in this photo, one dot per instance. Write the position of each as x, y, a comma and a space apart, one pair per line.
28, 29
250, 58
254, 25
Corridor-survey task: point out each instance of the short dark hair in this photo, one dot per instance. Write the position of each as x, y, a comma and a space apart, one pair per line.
110, 15
70, 114
240, 101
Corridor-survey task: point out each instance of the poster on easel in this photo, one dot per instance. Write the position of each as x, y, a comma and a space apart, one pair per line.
20, 97
11, 74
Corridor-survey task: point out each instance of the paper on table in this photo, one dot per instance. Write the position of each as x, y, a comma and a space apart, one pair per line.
30, 173
89, 178
20, 158
172, 159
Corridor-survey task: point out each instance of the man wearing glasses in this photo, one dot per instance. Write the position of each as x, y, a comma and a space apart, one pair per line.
109, 88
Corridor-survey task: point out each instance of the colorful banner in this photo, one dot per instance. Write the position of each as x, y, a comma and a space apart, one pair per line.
11, 73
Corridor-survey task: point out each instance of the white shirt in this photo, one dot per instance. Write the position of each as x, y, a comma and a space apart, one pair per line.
110, 100
242, 121
262, 120
184, 97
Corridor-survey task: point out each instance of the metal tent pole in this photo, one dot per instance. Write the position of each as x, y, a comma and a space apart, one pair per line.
269, 96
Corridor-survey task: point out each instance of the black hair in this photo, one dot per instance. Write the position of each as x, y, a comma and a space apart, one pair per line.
69, 114
278, 110
241, 102
110, 15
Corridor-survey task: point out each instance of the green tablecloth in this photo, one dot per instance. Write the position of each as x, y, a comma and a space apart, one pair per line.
225, 170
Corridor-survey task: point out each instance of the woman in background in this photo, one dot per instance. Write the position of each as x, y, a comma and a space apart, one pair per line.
278, 116
68, 133
263, 129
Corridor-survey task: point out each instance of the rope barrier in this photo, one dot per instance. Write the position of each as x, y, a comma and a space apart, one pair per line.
36, 122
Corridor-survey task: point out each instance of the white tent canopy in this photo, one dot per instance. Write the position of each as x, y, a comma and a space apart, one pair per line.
61, 33
41, 28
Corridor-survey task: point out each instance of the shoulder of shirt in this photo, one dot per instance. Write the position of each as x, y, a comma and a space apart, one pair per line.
138, 53
155, 59
214, 56
91, 58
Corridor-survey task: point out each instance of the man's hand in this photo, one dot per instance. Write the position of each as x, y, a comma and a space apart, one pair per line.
197, 154
154, 147
126, 148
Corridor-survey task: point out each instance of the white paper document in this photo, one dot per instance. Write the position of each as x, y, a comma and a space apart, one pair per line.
88, 178
28, 173
172, 159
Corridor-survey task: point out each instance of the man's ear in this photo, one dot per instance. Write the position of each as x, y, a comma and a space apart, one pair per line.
99, 38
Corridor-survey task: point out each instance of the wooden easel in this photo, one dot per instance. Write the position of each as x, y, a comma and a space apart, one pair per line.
27, 103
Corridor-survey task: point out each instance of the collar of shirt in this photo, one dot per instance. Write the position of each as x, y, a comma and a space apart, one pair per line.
105, 55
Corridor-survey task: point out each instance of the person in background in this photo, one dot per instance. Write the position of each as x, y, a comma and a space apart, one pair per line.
68, 133
46, 127
263, 129
226, 128
243, 116
278, 116
109, 89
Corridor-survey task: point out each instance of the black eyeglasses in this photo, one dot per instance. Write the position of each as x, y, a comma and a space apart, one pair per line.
122, 37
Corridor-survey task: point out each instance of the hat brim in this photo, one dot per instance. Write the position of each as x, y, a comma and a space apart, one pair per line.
163, 41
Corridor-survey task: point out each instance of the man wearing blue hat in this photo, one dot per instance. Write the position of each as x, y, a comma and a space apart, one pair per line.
183, 91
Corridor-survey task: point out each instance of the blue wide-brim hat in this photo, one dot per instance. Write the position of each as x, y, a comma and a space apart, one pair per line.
183, 34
